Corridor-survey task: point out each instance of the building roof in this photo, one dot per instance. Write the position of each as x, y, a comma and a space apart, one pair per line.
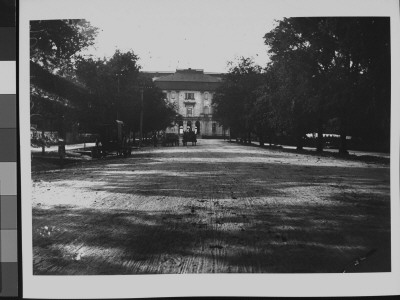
188, 79
186, 75
155, 74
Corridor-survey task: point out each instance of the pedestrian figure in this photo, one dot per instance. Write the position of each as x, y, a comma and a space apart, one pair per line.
192, 137
185, 138
155, 140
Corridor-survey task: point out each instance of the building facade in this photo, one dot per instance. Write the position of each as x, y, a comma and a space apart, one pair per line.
192, 92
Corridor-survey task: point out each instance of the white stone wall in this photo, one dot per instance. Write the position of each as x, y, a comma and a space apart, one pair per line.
202, 101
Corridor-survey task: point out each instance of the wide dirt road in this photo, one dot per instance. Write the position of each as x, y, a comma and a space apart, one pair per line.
217, 207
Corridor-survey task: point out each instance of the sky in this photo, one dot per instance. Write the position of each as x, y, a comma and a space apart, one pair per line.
198, 34
172, 34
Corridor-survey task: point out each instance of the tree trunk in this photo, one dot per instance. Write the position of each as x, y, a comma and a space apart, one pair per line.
299, 142
43, 144
320, 137
261, 139
343, 141
343, 144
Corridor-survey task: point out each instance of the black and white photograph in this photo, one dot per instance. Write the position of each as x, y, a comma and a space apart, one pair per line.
209, 137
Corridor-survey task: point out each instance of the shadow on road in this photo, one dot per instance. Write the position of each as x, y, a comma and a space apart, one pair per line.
205, 214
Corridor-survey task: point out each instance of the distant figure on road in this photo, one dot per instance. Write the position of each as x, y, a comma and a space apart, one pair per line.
97, 152
184, 138
155, 140
192, 137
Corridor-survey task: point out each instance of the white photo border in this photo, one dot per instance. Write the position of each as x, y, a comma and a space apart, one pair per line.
132, 286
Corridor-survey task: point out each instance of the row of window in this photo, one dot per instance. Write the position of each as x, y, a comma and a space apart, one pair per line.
188, 96
197, 127
189, 111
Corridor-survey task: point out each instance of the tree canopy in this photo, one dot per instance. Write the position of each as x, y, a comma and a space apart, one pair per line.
57, 100
234, 100
339, 60
55, 44
115, 84
72, 88
325, 75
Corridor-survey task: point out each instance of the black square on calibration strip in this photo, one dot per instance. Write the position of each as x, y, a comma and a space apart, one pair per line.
7, 13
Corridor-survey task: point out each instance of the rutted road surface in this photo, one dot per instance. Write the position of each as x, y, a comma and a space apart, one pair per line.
217, 207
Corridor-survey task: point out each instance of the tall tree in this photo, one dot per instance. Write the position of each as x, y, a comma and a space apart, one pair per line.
55, 44
56, 103
112, 82
341, 57
234, 99
293, 71
158, 112
116, 84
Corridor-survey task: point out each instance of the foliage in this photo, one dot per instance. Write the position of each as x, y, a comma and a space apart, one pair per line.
235, 98
57, 100
325, 72
116, 84
111, 82
55, 44
325, 75
158, 113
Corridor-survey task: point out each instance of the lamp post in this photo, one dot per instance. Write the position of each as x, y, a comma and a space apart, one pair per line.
118, 94
141, 115
143, 84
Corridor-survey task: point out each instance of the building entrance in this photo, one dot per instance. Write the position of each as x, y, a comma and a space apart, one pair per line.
189, 126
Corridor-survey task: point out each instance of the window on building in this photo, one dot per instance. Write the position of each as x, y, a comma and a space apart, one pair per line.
189, 111
214, 127
173, 95
206, 95
189, 96
206, 110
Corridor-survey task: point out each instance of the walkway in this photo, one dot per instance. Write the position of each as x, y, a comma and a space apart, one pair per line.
213, 208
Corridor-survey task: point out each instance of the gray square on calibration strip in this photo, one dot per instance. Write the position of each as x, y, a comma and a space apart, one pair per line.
8, 111
8, 178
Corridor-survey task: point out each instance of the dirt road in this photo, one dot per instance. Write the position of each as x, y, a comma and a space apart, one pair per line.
217, 207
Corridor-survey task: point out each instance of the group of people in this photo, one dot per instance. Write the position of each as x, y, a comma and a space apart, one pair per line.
188, 136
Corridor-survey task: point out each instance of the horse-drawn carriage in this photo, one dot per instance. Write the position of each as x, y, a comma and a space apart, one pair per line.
189, 136
170, 139
113, 138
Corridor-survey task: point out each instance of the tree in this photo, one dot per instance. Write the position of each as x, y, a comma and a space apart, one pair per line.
55, 44
338, 59
158, 113
115, 84
57, 103
292, 71
234, 99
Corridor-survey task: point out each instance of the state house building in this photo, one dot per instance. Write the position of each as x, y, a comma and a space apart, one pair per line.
192, 91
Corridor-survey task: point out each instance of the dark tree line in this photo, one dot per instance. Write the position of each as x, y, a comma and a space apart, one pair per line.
68, 88
56, 44
325, 75
56, 98
116, 84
